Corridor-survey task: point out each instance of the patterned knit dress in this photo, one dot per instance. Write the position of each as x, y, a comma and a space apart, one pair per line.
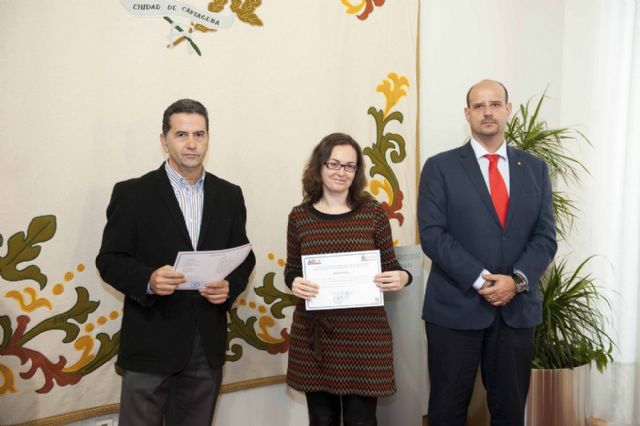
340, 351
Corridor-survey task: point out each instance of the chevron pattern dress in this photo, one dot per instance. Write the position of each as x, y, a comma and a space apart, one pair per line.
340, 351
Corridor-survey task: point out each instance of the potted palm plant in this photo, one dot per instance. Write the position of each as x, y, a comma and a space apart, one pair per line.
572, 334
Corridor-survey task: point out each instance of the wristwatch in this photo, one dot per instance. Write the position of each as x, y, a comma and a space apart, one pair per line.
521, 283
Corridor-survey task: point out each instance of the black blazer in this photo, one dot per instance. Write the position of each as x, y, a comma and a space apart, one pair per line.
145, 230
461, 233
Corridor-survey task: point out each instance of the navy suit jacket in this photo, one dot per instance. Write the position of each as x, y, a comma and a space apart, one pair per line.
461, 233
145, 230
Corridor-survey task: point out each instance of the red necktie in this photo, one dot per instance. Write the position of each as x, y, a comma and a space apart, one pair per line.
499, 194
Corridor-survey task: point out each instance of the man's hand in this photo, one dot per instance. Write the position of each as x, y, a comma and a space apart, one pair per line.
304, 289
216, 292
502, 290
164, 280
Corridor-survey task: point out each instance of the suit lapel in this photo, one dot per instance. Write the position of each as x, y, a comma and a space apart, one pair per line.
169, 197
210, 189
516, 183
471, 166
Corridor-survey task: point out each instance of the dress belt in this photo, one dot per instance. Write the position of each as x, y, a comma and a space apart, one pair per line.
319, 323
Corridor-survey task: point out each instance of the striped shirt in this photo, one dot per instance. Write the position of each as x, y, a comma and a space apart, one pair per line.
190, 198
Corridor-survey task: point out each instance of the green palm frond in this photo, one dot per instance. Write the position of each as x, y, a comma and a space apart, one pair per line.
573, 328
572, 332
564, 210
526, 131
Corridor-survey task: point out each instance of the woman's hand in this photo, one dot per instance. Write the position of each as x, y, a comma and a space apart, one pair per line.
391, 280
304, 289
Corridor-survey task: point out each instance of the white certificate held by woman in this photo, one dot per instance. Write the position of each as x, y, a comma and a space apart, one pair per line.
345, 279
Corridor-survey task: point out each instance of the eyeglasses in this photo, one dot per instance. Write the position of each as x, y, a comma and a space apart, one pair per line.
335, 165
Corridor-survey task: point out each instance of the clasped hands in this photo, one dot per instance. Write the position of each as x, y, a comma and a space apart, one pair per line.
386, 281
498, 289
165, 280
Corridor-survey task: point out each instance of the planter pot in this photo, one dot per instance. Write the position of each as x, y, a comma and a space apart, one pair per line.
559, 397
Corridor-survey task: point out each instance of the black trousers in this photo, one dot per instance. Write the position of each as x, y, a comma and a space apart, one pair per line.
187, 397
504, 355
327, 409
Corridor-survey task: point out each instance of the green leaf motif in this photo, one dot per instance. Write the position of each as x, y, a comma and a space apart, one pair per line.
21, 248
385, 142
243, 330
236, 353
108, 349
78, 313
270, 294
185, 35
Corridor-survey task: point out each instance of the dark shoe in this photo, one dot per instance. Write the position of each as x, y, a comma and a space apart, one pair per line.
323, 420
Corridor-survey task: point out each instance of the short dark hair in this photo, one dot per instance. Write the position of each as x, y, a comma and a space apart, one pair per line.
188, 106
312, 178
506, 93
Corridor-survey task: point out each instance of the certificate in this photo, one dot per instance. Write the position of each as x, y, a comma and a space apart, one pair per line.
201, 267
345, 279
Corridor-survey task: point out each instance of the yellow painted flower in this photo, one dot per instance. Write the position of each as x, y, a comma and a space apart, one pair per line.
376, 185
393, 89
6, 380
85, 345
33, 304
352, 9
267, 322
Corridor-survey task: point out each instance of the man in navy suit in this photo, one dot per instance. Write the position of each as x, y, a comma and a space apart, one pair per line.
173, 343
486, 222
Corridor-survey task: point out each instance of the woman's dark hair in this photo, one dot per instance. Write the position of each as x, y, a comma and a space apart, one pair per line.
312, 178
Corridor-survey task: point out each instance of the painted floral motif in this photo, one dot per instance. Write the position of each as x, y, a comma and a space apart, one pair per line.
17, 334
245, 11
24, 248
261, 338
80, 322
388, 146
364, 8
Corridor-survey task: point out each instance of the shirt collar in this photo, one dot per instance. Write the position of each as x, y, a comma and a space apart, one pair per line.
177, 179
480, 150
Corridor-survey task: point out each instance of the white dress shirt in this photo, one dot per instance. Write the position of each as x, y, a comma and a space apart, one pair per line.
503, 166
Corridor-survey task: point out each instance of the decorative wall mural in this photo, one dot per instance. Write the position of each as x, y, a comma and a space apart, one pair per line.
275, 79
257, 320
94, 351
16, 333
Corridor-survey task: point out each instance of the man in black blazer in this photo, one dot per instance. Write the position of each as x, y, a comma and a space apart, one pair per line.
486, 223
173, 343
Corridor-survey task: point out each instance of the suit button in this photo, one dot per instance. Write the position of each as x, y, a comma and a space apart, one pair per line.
505, 238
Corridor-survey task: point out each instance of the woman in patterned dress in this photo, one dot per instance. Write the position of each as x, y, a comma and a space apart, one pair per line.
342, 359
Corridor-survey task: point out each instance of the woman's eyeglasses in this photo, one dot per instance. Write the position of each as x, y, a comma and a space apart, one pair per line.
336, 165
